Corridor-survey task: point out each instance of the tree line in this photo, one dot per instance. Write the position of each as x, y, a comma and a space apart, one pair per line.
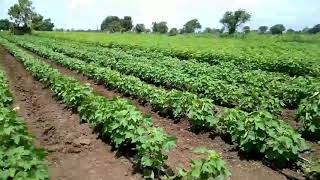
231, 21
23, 18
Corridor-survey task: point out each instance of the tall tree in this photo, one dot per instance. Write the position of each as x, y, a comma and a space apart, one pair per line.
4, 24
246, 29
173, 32
277, 29
22, 13
315, 29
191, 26
110, 23
263, 29
232, 20
139, 28
126, 23
160, 27
40, 24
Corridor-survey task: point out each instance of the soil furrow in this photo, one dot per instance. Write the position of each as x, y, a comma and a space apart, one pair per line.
74, 151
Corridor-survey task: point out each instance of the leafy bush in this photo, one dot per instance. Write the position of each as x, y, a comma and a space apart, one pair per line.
308, 115
210, 168
261, 133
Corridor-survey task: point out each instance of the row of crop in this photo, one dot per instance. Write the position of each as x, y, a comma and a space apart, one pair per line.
246, 97
120, 121
248, 58
233, 85
19, 158
269, 56
290, 90
267, 136
116, 118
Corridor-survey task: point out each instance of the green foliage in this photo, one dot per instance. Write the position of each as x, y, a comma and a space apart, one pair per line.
210, 168
315, 29
117, 118
22, 13
312, 171
39, 24
232, 20
263, 29
308, 115
246, 29
4, 24
191, 26
277, 29
160, 27
261, 133
139, 28
19, 158
173, 32
115, 24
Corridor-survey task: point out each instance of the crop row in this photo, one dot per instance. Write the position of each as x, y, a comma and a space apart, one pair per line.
19, 158
246, 97
256, 133
269, 56
226, 84
116, 118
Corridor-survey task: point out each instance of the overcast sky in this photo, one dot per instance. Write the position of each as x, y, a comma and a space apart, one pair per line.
88, 14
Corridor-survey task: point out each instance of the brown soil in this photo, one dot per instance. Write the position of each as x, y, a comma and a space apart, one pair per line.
240, 168
74, 151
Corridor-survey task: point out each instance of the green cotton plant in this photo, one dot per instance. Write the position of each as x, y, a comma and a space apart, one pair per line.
116, 119
212, 167
312, 170
19, 158
308, 115
174, 103
261, 133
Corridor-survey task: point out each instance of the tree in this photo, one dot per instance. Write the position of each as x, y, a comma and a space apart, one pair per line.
126, 23
173, 32
110, 23
139, 28
160, 27
290, 31
315, 29
22, 13
39, 24
277, 29
4, 24
246, 29
191, 26
263, 29
207, 30
306, 29
232, 20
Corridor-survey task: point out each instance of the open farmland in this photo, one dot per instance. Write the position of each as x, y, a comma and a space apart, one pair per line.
140, 104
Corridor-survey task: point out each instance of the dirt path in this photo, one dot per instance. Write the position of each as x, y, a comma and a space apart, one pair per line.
241, 169
74, 151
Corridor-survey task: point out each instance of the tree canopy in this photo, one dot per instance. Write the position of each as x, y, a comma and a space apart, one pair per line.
173, 32
246, 29
160, 27
115, 24
277, 29
22, 13
263, 29
315, 29
4, 24
232, 20
139, 28
40, 24
191, 26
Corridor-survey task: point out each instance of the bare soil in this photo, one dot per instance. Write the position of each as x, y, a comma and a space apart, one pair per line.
241, 168
74, 152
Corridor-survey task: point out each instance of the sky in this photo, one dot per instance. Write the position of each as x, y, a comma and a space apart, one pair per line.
88, 14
